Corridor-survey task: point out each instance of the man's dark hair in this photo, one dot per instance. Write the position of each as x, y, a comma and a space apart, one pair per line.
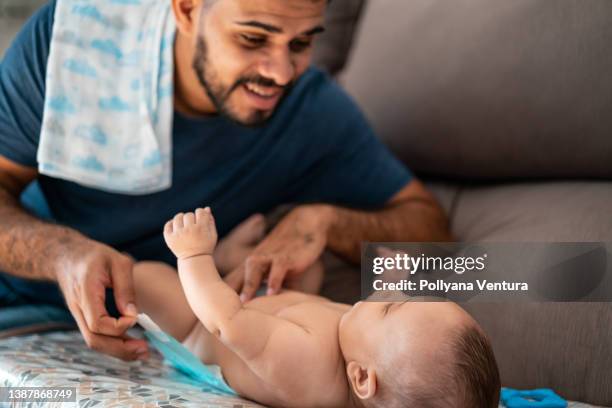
208, 3
464, 375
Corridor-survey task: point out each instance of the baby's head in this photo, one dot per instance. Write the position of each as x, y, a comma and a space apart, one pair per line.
417, 354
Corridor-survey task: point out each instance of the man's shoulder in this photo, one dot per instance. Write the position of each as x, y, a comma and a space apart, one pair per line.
323, 88
31, 44
317, 95
41, 21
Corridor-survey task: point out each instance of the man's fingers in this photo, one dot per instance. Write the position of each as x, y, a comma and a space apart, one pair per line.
255, 269
278, 272
385, 252
123, 286
123, 347
96, 316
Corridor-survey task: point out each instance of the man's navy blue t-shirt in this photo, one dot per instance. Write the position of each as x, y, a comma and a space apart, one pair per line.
317, 147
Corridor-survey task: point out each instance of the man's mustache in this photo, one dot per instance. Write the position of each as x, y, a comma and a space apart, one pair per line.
260, 81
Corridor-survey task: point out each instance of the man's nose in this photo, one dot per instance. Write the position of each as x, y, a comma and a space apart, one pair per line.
279, 67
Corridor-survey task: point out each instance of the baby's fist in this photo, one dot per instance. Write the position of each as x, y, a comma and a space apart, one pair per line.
191, 234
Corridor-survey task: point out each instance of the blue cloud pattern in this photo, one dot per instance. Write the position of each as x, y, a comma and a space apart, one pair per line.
61, 104
92, 133
89, 163
114, 103
109, 60
108, 47
80, 67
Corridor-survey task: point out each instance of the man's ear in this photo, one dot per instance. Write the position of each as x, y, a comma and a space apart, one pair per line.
185, 15
362, 379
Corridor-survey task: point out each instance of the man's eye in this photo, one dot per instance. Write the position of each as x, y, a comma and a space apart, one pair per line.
252, 41
299, 45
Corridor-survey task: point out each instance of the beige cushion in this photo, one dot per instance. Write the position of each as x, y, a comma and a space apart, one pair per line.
564, 346
333, 47
489, 89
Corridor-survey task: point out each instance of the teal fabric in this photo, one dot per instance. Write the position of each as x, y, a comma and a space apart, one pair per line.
539, 398
182, 359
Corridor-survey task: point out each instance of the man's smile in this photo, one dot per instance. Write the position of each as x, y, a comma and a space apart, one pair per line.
261, 97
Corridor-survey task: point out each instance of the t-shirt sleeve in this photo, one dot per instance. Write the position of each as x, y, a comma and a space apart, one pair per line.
22, 88
352, 167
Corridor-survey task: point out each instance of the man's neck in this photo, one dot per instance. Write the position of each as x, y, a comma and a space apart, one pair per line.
189, 97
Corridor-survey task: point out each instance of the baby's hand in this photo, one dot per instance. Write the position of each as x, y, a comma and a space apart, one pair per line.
191, 234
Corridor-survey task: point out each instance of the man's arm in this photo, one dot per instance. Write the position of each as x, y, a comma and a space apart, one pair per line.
29, 247
33, 249
298, 240
411, 215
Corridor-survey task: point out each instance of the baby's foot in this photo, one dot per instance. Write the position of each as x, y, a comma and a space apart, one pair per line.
239, 243
191, 234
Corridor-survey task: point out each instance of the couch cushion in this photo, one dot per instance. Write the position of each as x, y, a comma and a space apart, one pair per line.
476, 89
543, 211
333, 47
564, 346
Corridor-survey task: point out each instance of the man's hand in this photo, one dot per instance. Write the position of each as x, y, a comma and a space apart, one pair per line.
83, 277
292, 247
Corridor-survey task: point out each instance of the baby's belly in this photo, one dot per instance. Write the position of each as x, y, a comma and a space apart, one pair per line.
235, 372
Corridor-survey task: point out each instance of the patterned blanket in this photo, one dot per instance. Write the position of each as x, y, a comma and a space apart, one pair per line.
62, 359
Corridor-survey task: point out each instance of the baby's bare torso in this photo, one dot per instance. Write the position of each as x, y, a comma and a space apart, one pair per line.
319, 382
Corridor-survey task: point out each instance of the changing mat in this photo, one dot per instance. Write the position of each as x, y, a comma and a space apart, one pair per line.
62, 359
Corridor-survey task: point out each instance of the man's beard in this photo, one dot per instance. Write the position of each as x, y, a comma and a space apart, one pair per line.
219, 95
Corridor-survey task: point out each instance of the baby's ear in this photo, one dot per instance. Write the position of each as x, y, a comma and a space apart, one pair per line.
362, 380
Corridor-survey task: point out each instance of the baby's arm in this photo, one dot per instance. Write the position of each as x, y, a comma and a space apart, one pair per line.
254, 336
159, 294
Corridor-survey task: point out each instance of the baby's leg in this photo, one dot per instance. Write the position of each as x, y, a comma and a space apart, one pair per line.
160, 295
308, 282
239, 243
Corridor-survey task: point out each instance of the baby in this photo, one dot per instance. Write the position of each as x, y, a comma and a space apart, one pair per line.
301, 350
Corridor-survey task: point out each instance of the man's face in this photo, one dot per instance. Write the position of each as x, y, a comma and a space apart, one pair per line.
250, 52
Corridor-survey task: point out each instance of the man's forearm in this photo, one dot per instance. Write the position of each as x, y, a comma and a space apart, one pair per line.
411, 220
29, 247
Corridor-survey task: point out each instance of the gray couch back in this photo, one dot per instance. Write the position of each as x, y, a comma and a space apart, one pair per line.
497, 90
489, 89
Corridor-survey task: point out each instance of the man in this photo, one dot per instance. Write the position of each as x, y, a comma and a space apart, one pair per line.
292, 137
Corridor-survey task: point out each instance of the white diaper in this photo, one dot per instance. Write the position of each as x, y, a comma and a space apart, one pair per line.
193, 342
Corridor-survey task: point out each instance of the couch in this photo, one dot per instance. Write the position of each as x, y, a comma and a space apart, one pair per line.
503, 107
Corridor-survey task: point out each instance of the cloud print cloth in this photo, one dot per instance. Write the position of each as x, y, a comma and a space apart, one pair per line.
107, 119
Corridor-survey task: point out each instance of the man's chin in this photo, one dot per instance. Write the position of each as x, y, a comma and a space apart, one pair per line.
252, 119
